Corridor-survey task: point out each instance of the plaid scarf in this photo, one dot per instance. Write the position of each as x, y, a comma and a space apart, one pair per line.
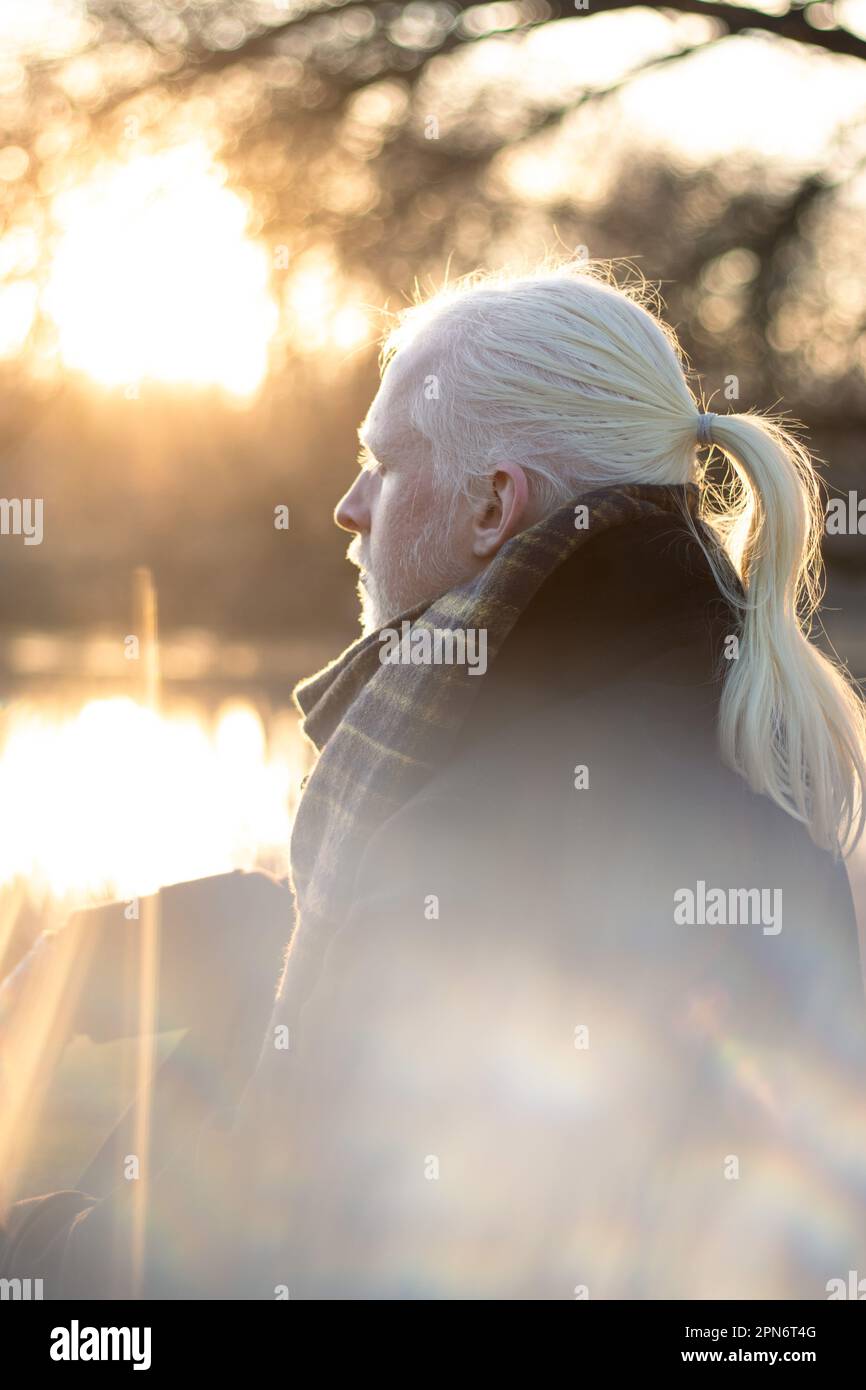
383, 729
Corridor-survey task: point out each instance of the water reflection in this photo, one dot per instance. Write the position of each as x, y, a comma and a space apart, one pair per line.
107, 799
113, 799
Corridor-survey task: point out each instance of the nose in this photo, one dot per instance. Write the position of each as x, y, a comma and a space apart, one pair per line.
353, 509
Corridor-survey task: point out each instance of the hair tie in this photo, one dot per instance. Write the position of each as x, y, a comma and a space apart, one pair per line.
705, 427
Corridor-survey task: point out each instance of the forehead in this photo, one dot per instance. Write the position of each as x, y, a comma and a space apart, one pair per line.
388, 422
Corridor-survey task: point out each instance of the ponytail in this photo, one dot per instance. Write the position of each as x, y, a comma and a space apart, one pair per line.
791, 722
579, 381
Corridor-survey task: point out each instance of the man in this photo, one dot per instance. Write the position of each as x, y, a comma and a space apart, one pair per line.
571, 1008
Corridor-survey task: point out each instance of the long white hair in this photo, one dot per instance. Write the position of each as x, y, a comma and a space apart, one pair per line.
578, 380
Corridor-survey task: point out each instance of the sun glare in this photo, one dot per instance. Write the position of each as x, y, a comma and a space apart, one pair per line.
45, 27
154, 277
116, 800
322, 309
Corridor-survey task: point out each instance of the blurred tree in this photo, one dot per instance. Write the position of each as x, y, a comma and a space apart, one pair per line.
359, 131
374, 144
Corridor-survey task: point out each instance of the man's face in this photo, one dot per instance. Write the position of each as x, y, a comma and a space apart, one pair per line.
406, 552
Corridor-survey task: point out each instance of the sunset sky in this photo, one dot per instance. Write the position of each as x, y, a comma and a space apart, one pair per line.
157, 270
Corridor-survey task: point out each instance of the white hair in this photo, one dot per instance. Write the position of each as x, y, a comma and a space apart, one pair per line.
578, 380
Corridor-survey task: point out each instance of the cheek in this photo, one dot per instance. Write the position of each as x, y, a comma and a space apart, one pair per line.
392, 515
402, 509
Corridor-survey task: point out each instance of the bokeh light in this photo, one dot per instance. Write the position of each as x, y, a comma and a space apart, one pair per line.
154, 277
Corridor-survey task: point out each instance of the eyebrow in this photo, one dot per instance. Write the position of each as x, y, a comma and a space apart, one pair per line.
366, 451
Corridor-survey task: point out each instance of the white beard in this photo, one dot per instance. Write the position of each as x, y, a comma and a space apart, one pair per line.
373, 615
383, 597
374, 604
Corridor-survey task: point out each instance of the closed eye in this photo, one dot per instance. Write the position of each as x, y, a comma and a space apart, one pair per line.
368, 462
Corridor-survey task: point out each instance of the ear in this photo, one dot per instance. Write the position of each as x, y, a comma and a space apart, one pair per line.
504, 513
